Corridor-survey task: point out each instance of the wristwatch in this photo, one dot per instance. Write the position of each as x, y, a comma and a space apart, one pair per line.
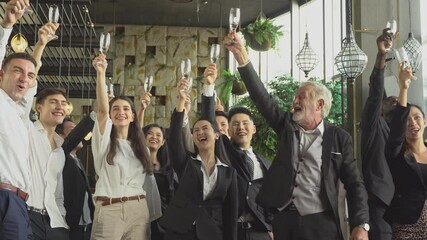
365, 226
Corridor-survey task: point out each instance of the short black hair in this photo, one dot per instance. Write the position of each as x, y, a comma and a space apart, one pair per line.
221, 113
237, 110
12, 56
43, 94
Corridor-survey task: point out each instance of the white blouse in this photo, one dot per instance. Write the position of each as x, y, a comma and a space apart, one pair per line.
126, 176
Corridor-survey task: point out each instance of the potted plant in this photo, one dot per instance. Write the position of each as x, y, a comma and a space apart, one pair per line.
232, 84
262, 34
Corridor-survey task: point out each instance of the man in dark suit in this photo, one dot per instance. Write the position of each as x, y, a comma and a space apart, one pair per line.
77, 195
376, 118
254, 221
311, 157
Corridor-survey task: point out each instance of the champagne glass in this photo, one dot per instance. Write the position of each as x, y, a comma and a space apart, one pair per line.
402, 57
104, 44
111, 91
53, 17
214, 53
148, 84
392, 25
186, 68
234, 20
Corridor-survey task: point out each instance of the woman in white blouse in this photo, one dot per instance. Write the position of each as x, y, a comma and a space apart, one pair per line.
121, 161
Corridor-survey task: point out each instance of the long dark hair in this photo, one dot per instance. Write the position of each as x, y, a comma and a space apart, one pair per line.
162, 153
135, 138
219, 145
407, 149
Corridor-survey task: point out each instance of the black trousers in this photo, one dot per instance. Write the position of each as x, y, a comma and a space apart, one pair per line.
14, 221
251, 234
290, 225
380, 229
42, 230
81, 232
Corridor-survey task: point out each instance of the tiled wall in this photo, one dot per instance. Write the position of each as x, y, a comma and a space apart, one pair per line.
138, 51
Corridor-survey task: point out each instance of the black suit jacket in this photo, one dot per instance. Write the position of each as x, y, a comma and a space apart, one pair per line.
338, 162
216, 217
75, 181
248, 189
410, 189
375, 132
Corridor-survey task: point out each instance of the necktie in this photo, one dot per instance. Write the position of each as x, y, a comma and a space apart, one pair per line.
250, 163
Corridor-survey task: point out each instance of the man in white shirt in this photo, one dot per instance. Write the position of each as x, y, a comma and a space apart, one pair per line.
47, 159
16, 78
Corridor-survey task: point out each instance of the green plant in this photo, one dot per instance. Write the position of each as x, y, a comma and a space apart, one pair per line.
230, 82
262, 31
283, 89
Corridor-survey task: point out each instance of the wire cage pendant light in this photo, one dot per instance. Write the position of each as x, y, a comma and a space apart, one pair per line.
413, 48
351, 60
306, 59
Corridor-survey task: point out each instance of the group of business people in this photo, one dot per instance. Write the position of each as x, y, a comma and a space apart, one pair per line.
218, 188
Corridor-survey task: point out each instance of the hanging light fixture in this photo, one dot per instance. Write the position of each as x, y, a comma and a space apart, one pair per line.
306, 59
19, 43
413, 47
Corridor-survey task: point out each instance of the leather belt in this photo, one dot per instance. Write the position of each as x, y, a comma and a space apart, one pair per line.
108, 201
6, 186
37, 210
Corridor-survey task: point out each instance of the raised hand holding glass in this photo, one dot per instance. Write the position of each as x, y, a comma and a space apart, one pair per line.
53, 17
214, 53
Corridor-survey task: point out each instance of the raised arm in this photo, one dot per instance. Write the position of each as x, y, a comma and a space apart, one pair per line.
12, 15
77, 134
265, 104
372, 110
144, 103
43, 40
208, 98
177, 150
103, 109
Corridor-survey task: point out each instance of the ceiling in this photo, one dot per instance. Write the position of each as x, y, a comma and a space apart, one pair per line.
67, 61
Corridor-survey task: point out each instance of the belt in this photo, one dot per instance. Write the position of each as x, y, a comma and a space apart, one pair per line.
291, 207
6, 186
37, 210
244, 225
108, 201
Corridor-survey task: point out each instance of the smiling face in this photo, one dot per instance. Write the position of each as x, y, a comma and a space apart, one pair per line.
121, 113
242, 130
222, 123
307, 112
415, 125
154, 138
204, 136
52, 109
17, 77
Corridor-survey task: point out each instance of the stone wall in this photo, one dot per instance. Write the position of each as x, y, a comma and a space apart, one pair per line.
139, 51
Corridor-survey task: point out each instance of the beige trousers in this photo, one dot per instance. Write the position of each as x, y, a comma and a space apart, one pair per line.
121, 221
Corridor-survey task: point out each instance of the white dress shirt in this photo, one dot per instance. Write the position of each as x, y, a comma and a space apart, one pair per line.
46, 191
4, 37
126, 176
209, 181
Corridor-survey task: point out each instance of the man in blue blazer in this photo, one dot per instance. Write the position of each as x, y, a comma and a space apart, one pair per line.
311, 157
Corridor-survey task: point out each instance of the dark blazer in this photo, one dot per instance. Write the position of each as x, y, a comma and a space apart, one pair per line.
410, 189
216, 217
338, 162
248, 189
75, 180
375, 132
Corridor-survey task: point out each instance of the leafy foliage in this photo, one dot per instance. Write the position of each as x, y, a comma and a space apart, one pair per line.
283, 89
227, 85
263, 29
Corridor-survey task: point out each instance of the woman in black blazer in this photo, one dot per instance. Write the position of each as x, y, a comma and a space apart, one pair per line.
205, 204
407, 158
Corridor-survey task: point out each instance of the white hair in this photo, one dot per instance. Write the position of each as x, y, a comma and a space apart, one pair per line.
320, 92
